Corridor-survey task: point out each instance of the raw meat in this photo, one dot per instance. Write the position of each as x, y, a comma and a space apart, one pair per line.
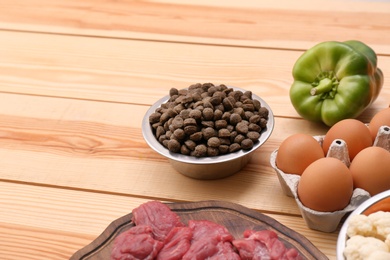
176, 244
210, 241
136, 243
159, 234
205, 228
264, 244
158, 216
251, 249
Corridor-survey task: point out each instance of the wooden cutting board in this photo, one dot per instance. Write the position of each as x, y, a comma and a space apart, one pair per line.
235, 217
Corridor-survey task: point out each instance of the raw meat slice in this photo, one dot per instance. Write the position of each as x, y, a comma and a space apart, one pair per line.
158, 216
205, 228
136, 243
251, 249
273, 247
226, 251
202, 249
210, 241
176, 244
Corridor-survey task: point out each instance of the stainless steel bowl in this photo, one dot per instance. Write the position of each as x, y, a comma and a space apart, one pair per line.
342, 237
206, 168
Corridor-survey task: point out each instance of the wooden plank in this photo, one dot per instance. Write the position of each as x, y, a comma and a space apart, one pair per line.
141, 72
56, 217
19, 242
109, 151
249, 23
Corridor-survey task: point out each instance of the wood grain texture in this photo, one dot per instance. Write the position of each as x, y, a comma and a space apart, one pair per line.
20, 242
110, 152
252, 24
51, 218
141, 72
76, 78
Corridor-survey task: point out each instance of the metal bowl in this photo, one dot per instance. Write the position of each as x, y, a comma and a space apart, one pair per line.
342, 237
206, 168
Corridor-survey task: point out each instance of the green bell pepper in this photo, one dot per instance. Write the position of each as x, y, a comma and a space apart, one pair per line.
335, 81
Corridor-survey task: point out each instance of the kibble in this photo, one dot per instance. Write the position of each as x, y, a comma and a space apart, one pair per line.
209, 120
247, 144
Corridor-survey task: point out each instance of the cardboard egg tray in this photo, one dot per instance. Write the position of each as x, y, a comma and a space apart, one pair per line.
328, 221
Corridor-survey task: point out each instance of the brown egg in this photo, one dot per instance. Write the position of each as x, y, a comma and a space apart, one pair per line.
355, 134
297, 152
326, 185
380, 119
371, 170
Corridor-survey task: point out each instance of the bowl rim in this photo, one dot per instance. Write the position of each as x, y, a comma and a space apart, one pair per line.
156, 146
342, 237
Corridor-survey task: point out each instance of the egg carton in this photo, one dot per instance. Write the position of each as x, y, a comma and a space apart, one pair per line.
328, 221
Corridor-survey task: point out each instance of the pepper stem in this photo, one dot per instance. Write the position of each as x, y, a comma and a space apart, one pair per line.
325, 85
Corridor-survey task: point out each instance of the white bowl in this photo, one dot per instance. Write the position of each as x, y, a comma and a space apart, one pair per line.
215, 167
342, 237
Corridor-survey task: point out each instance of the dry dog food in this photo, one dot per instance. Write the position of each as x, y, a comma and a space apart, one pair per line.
209, 120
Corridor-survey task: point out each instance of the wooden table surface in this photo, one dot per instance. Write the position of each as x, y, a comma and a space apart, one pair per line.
76, 78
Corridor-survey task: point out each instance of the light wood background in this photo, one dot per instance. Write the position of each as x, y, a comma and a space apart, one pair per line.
76, 78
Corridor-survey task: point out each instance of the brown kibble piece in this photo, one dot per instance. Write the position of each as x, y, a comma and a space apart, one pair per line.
196, 137
247, 144
248, 107
223, 149
212, 151
190, 144
263, 112
228, 103
263, 123
179, 134
242, 128
253, 135
234, 147
154, 117
208, 113
208, 133
190, 129
199, 151
184, 150
235, 119
195, 114
254, 119
219, 124
225, 141
223, 133
239, 138
213, 142
173, 92
160, 131
208, 124
189, 121
216, 100
174, 146
254, 127
177, 122
185, 114
217, 114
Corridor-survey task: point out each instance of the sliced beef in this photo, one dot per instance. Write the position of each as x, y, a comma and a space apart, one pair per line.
264, 244
205, 228
136, 243
225, 251
251, 249
176, 244
210, 241
158, 216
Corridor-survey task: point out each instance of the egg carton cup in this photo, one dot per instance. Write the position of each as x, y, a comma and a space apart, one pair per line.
328, 221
